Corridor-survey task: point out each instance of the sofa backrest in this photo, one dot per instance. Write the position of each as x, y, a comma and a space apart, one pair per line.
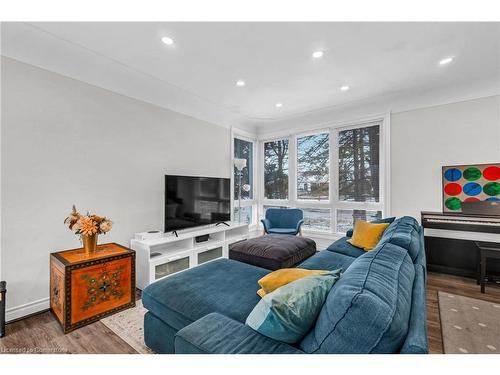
284, 217
405, 232
368, 309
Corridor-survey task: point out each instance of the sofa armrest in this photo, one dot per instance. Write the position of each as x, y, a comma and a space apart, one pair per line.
218, 334
267, 225
349, 232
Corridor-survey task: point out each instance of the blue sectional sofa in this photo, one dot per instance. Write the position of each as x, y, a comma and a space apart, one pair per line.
377, 306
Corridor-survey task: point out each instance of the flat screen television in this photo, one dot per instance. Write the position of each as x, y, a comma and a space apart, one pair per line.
195, 201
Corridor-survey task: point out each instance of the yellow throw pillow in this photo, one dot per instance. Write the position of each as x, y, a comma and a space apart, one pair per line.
367, 235
276, 279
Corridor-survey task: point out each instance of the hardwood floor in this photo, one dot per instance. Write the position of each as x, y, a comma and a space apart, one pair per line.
42, 334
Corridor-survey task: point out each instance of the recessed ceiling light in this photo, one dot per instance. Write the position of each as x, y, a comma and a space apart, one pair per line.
240, 83
279, 105
318, 54
446, 61
344, 88
168, 41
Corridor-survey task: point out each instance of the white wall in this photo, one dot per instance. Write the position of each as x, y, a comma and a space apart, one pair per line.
424, 140
65, 142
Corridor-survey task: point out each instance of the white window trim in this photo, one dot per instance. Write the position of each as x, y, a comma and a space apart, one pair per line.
383, 120
254, 202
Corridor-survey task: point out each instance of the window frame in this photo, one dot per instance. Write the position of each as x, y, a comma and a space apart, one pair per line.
333, 203
254, 202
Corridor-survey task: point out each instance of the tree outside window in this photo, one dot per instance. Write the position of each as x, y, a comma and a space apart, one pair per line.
276, 169
313, 165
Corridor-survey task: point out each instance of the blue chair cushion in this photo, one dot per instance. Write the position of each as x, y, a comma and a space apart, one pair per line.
341, 246
327, 260
404, 232
368, 309
292, 231
289, 312
225, 286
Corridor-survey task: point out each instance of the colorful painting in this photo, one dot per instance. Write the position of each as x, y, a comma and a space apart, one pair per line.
470, 183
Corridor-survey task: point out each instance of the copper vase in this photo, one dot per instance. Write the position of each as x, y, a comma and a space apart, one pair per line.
89, 243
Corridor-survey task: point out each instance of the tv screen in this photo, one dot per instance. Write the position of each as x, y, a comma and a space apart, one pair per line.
194, 201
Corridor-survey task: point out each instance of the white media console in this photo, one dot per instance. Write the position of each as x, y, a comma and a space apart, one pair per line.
162, 257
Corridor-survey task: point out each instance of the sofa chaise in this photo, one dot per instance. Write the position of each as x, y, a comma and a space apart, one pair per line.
377, 306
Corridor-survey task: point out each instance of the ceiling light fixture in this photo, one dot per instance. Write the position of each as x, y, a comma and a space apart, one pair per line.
168, 41
344, 88
446, 61
240, 83
279, 105
318, 54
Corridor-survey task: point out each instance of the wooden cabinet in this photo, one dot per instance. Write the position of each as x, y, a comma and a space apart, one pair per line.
86, 287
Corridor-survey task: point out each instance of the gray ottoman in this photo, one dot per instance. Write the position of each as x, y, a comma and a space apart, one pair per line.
273, 251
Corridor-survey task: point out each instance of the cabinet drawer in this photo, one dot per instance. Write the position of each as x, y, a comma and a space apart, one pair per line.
210, 254
172, 266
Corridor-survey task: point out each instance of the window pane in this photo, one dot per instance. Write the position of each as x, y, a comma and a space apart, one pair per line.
246, 214
317, 219
276, 169
243, 150
346, 218
359, 164
313, 165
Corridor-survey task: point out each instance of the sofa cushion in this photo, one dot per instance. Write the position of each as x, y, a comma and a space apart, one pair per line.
289, 312
217, 334
273, 251
327, 260
343, 247
388, 220
404, 232
225, 286
278, 278
368, 309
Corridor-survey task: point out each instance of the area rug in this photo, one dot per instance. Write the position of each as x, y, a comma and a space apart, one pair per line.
129, 326
469, 325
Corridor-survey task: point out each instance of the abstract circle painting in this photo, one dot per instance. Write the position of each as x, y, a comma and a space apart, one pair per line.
470, 183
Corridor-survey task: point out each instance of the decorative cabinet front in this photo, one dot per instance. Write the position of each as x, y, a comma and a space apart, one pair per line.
86, 287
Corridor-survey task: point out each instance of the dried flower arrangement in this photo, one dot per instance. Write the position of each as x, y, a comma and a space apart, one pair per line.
88, 227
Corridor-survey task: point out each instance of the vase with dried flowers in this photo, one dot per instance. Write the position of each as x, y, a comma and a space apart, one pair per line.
88, 227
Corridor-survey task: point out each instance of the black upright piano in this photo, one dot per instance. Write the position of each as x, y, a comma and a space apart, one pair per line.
450, 242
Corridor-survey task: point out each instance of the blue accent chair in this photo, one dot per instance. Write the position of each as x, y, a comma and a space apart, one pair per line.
283, 221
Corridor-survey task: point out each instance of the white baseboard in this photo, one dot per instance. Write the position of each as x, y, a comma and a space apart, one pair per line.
26, 309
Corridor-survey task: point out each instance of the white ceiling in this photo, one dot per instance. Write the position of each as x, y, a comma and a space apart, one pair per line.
380, 62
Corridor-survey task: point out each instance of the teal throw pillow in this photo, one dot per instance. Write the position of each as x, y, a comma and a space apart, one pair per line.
289, 312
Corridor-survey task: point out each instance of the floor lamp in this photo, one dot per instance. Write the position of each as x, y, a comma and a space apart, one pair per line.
239, 164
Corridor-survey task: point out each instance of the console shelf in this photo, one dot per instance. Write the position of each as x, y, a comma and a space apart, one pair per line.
163, 257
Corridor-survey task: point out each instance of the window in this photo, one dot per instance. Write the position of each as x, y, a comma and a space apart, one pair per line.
317, 219
346, 218
313, 165
336, 175
276, 169
243, 150
246, 214
359, 164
